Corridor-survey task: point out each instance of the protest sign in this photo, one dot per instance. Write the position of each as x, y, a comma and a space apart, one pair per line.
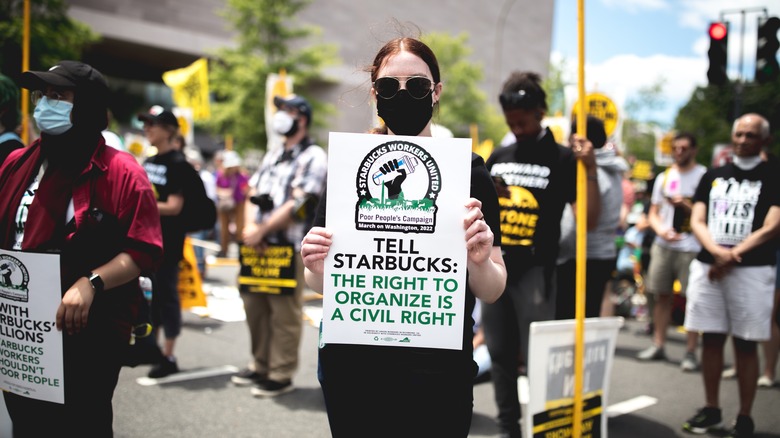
551, 377
30, 345
396, 272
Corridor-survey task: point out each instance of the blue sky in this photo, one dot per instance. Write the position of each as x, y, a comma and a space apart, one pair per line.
631, 44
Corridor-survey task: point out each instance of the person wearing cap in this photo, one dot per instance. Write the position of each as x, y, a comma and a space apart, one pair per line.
166, 171
9, 117
93, 206
535, 178
232, 188
290, 178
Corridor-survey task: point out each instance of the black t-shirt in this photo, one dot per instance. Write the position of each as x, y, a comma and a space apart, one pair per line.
737, 202
166, 173
482, 188
536, 180
8, 146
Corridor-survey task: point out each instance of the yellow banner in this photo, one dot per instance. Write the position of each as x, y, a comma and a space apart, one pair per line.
190, 87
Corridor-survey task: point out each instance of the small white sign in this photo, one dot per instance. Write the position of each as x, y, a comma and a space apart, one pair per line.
31, 363
396, 272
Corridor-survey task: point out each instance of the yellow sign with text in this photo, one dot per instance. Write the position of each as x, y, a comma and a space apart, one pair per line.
602, 107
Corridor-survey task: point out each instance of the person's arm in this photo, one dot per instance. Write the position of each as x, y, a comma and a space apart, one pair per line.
583, 151
725, 258
278, 220
487, 272
73, 312
769, 230
314, 249
172, 206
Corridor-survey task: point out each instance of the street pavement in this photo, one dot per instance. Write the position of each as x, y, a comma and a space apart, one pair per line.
653, 398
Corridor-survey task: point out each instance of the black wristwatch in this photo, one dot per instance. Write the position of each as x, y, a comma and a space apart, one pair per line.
96, 282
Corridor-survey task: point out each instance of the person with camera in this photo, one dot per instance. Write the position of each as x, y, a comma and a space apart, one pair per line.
288, 182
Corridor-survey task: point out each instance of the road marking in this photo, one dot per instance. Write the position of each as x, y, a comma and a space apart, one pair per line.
188, 375
631, 405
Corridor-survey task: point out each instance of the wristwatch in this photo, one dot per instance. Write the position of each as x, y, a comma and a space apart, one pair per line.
96, 282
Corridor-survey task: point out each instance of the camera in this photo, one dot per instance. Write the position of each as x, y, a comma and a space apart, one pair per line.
264, 202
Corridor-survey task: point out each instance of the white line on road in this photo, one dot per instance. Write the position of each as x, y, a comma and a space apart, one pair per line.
631, 405
188, 375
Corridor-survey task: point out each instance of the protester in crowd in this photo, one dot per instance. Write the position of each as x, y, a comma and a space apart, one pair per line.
232, 189
290, 176
674, 246
736, 218
430, 389
535, 178
166, 171
601, 249
9, 117
93, 206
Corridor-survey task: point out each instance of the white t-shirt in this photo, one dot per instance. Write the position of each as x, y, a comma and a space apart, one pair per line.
672, 183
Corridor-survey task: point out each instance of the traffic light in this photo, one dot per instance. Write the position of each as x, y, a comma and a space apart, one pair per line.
719, 39
767, 68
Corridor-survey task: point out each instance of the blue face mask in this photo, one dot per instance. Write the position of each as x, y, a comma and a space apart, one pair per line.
53, 119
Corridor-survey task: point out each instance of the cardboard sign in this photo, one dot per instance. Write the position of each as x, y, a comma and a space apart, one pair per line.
270, 273
551, 377
31, 363
396, 271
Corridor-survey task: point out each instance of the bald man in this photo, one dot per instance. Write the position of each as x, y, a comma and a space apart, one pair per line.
736, 217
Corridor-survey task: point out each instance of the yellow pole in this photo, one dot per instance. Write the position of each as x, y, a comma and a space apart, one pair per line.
25, 67
582, 230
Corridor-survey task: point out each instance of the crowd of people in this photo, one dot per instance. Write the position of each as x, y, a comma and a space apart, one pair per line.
709, 235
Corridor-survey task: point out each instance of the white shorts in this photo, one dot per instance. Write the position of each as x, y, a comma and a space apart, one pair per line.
739, 304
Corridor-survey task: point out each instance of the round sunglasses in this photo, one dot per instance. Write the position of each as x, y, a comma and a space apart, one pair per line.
417, 86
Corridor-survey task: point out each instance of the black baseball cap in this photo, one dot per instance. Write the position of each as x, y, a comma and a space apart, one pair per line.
297, 102
159, 116
66, 74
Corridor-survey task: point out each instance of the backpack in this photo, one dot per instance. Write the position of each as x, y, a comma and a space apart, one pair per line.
199, 211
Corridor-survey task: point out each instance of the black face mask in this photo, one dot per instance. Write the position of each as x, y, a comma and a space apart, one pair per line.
405, 115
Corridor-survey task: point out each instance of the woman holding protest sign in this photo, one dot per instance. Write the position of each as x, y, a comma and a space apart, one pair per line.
69, 194
395, 391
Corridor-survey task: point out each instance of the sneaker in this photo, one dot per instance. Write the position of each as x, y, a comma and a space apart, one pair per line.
765, 382
743, 427
165, 368
271, 388
247, 377
689, 362
729, 373
704, 421
651, 353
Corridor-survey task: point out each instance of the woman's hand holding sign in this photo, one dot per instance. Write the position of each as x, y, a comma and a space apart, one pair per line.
487, 272
314, 249
479, 238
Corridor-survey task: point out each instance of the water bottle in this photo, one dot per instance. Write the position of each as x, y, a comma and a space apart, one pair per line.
146, 287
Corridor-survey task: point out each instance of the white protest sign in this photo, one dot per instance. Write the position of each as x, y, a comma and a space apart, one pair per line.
551, 377
396, 272
30, 344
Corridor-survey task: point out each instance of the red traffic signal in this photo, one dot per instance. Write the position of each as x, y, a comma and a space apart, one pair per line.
718, 53
718, 31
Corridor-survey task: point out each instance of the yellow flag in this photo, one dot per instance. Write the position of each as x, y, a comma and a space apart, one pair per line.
190, 87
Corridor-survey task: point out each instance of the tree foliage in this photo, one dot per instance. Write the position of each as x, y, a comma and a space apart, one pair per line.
711, 111
53, 35
464, 102
268, 40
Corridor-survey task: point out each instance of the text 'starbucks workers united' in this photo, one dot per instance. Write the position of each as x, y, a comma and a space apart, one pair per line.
395, 274
397, 187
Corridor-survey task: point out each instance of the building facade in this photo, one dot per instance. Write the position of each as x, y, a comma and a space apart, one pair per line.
143, 38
